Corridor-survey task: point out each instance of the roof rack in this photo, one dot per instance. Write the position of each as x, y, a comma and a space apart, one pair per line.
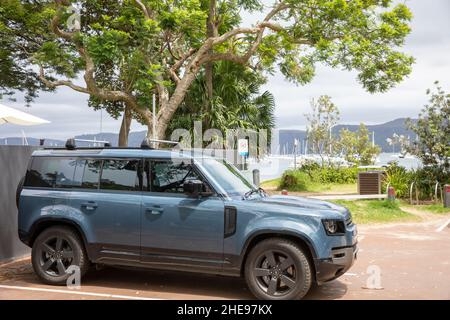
71, 145
146, 144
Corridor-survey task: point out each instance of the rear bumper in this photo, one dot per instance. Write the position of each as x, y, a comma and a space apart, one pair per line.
340, 261
24, 237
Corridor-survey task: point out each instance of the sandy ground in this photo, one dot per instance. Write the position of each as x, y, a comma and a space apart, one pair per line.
413, 261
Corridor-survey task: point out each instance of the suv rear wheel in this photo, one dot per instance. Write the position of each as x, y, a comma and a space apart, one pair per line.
278, 269
54, 251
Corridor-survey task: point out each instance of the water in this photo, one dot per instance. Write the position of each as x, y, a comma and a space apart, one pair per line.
273, 166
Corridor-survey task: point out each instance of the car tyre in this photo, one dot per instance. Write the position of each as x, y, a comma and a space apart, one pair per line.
54, 251
278, 269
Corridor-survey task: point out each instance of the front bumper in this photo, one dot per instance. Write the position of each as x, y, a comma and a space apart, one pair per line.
331, 268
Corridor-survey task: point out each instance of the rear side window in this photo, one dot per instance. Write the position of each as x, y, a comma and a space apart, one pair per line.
51, 172
42, 173
120, 175
91, 174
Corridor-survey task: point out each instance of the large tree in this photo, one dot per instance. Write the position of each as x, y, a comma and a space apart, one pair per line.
127, 50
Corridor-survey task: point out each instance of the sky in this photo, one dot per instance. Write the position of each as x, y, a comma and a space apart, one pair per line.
429, 43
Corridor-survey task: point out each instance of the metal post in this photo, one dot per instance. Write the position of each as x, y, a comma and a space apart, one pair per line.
447, 196
154, 117
256, 177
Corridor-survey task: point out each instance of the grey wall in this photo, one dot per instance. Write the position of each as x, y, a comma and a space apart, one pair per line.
13, 164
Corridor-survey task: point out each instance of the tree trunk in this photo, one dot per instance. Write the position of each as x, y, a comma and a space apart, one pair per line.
125, 128
211, 28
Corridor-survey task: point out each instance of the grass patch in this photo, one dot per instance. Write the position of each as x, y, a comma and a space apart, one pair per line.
272, 184
376, 211
333, 188
308, 186
431, 208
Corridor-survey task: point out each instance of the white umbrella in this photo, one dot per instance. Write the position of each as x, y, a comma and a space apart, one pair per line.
10, 115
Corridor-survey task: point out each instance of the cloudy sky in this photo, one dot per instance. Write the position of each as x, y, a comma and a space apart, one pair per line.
429, 43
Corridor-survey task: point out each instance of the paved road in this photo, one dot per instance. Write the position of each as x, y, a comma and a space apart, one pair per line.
414, 261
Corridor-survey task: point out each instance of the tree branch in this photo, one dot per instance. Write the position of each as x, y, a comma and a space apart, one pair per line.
144, 8
58, 83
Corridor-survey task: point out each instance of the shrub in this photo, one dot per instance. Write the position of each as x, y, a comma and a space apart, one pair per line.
399, 178
295, 180
426, 178
312, 173
339, 175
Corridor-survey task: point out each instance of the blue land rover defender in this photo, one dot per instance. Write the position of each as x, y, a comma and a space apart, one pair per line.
172, 210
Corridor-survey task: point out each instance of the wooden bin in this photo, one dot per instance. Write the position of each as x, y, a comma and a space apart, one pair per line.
369, 182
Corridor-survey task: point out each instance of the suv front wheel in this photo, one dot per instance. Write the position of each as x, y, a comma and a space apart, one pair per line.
54, 251
278, 269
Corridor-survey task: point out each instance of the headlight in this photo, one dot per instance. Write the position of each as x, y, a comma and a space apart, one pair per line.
334, 227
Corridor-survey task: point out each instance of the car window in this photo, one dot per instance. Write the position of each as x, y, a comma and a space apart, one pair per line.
227, 176
91, 174
169, 176
51, 172
65, 175
120, 175
42, 173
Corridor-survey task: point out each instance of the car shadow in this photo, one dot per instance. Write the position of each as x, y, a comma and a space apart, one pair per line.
161, 284
332, 290
183, 285
191, 286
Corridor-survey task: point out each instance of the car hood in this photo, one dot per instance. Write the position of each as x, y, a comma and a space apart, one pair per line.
303, 203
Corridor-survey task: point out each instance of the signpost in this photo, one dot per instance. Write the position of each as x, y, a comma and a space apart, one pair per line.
243, 150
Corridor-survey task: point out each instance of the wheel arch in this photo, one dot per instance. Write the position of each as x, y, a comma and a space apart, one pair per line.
44, 223
262, 235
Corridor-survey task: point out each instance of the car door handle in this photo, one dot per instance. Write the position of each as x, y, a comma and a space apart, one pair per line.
154, 210
90, 205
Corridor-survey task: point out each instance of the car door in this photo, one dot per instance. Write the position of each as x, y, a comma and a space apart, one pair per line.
45, 191
178, 230
109, 200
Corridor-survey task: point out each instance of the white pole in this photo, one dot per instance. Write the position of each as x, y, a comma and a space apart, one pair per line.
154, 116
373, 138
330, 140
101, 121
295, 154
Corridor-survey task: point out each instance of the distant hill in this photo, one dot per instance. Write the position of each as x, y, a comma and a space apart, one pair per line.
382, 132
286, 139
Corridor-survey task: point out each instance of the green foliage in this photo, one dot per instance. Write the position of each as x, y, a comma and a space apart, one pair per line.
338, 175
432, 128
324, 115
329, 174
295, 180
237, 102
134, 46
434, 208
424, 179
399, 178
376, 211
312, 173
357, 147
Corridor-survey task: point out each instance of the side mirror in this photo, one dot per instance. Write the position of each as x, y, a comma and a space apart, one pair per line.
193, 187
